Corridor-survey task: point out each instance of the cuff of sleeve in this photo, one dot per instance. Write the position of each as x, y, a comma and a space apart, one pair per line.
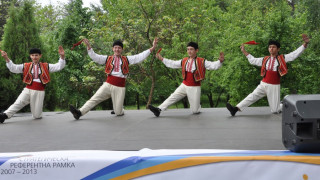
90, 51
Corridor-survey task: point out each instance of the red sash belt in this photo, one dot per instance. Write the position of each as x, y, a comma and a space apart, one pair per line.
271, 77
36, 86
116, 81
189, 81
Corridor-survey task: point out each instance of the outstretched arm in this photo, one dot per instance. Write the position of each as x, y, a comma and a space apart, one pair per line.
135, 59
10, 65
172, 63
295, 54
216, 64
167, 62
252, 60
61, 63
100, 59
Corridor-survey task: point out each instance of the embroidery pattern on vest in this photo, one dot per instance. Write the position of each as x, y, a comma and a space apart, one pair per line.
27, 75
44, 76
183, 65
110, 66
282, 67
125, 65
199, 72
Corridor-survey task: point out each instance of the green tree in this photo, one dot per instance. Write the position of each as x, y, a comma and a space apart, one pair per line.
217, 25
4, 5
259, 21
72, 85
305, 74
21, 33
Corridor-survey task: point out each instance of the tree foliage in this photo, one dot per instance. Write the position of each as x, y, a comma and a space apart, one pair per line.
21, 33
217, 26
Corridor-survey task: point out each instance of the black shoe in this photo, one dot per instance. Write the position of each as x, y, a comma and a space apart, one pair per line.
3, 117
233, 110
76, 113
156, 111
121, 114
112, 112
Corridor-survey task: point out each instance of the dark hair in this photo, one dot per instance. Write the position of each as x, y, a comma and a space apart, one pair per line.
273, 42
35, 51
193, 44
117, 43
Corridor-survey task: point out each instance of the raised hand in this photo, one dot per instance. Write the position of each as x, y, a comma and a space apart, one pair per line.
221, 57
61, 52
5, 56
158, 55
305, 38
243, 50
242, 47
87, 43
154, 44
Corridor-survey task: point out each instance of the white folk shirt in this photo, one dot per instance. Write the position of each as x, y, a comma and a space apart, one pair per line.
177, 64
135, 59
288, 58
18, 68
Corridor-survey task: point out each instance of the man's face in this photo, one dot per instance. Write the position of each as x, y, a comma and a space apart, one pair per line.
35, 57
117, 50
192, 52
273, 49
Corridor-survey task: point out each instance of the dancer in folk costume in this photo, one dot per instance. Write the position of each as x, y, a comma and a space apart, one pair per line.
117, 69
36, 76
273, 67
193, 72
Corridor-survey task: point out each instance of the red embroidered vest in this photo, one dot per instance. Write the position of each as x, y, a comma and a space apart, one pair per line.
199, 73
124, 65
27, 75
282, 68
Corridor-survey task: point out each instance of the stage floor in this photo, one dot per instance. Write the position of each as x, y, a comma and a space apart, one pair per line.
254, 129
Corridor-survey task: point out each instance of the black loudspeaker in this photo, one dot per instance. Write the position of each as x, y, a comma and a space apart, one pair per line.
301, 123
